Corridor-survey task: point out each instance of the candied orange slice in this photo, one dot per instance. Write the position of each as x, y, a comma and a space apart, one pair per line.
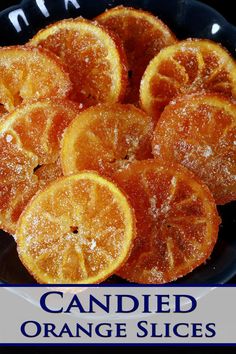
106, 138
29, 137
199, 131
80, 229
30, 73
177, 221
94, 58
143, 35
187, 67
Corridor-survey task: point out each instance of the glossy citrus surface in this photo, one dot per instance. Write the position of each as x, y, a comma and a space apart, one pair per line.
177, 221
143, 35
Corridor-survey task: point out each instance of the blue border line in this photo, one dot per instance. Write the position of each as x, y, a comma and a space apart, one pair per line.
2, 285
120, 344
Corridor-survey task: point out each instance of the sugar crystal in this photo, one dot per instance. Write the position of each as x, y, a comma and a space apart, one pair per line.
207, 151
9, 138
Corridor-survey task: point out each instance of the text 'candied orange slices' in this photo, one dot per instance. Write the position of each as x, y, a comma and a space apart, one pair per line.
143, 35
177, 221
30, 73
29, 138
199, 131
94, 58
106, 138
187, 67
80, 229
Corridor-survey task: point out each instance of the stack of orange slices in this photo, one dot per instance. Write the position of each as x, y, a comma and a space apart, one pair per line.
116, 143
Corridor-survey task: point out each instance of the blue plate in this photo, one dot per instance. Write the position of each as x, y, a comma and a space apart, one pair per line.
187, 18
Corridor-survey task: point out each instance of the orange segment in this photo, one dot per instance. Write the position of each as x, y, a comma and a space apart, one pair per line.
29, 137
80, 229
30, 73
143, 35
199, 131
48, 173
106, 138
94, 58
187, 67
177, 221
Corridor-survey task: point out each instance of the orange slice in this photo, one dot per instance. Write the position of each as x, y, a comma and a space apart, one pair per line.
94, 58
106, 138
143, 35
29, 137
30, 73
187, 67
80, 229
177, 221
199, 131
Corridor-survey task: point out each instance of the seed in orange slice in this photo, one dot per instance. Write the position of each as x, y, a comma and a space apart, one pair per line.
199, 131
94, 58
177, 221
80, 229
29, 137
30, 73
106, 138
187, 67
143, 35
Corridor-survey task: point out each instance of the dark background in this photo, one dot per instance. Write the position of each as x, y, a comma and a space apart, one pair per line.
227, 9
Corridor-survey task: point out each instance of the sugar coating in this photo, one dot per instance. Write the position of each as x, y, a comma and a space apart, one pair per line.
76, 229
95, 62
35, 75
199, 132
106, 138
153, 207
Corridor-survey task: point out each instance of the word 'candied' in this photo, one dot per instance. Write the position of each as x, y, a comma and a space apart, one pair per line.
52, 302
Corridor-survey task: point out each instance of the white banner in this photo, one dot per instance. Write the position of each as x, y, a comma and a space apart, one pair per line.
118, 314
